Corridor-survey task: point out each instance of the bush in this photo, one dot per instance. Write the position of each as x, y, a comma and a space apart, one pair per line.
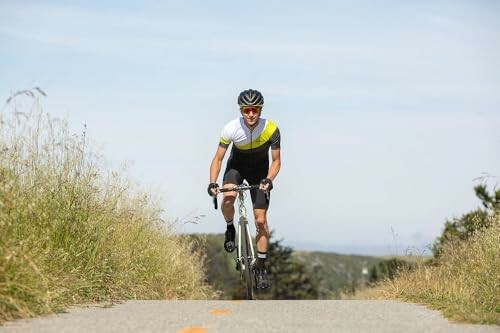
460, 229
388, 269
463, 283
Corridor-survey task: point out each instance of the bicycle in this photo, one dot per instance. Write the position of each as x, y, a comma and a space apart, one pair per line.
245, 253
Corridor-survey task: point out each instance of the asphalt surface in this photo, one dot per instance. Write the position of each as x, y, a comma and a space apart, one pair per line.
247, 316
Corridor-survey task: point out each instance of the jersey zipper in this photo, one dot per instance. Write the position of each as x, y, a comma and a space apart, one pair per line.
251, 141
251, 147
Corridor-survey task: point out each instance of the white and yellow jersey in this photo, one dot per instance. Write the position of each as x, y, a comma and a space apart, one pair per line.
250, 145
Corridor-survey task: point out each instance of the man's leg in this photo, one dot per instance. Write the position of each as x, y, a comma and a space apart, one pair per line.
231, 178
262, 239
227, 208
260, 205
227, 205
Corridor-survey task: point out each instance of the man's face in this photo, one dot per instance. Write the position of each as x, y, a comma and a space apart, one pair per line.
251, 114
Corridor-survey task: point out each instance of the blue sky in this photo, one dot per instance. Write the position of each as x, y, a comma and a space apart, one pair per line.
388, 110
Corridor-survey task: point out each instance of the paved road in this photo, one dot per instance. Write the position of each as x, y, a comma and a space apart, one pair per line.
247, 316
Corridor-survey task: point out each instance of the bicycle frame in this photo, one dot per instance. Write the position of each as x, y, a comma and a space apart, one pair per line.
245, 251
243, 224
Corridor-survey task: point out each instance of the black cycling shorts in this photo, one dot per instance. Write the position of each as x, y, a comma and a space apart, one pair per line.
259, 199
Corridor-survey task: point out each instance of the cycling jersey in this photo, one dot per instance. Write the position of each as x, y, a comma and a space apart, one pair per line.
249, 157
250, 147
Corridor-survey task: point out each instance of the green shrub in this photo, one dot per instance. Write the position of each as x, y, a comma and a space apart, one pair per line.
462, 228
463, 283
388, 269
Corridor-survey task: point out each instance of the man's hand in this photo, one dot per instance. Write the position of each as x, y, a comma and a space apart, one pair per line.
266, 185
213, 189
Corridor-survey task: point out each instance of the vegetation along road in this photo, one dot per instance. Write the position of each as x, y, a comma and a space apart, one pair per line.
247, 316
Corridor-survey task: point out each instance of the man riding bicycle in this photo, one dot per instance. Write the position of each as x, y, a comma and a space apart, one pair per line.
252, 136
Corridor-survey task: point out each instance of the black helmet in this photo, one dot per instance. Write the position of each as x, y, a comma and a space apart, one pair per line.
250, 97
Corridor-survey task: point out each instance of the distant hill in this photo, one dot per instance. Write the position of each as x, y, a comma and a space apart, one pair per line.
337, 272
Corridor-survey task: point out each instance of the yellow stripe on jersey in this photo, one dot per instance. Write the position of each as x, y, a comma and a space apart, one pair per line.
261, 139
224, 142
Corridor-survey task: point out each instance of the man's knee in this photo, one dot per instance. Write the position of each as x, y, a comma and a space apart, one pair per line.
261, 227
260, 220
227, 202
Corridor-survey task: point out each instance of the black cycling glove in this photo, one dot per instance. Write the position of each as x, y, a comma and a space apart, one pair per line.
267, 181
210, 187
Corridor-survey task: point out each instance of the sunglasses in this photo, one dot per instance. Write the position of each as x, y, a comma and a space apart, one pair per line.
250, 109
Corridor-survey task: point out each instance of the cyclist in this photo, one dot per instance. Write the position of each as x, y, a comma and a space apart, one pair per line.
251, 136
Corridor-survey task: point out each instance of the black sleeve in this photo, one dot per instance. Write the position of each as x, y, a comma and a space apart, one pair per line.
276, 139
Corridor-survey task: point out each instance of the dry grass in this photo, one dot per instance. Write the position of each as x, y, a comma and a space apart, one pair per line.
464, 284
72, 232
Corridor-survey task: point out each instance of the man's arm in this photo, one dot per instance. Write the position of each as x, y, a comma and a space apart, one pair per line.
216, 164
275, 164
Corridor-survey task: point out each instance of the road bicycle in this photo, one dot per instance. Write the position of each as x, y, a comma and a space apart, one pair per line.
245, 252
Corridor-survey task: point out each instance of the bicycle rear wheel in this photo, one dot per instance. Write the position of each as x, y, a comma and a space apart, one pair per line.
246, 258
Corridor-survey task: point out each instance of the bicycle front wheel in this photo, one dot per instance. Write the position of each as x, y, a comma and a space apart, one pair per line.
247, 258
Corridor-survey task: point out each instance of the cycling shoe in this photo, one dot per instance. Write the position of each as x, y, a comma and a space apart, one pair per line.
229, 236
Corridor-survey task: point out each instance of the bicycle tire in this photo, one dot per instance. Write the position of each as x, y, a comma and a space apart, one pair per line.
247, 262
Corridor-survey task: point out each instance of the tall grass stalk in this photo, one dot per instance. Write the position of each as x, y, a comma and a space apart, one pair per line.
71, 232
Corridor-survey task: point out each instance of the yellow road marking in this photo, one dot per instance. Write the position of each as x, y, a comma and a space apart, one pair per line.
219, 312
193, 330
